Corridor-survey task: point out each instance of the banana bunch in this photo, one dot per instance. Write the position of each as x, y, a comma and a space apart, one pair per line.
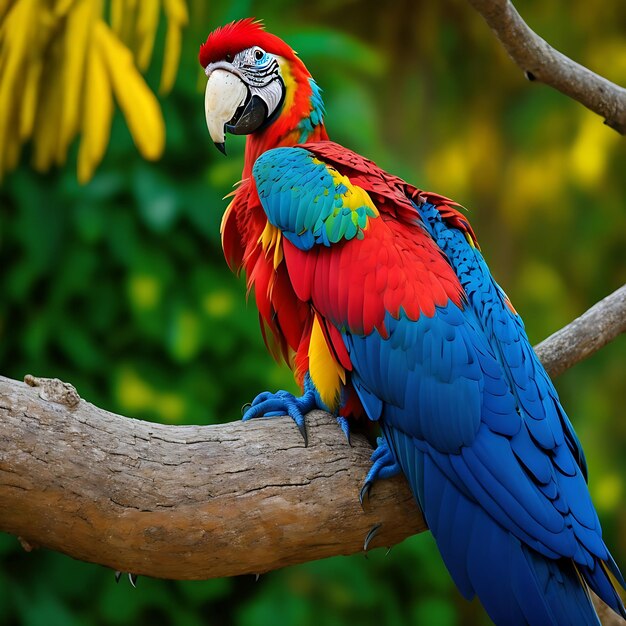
61, 64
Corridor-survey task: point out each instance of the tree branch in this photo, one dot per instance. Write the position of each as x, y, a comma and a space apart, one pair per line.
187, 502
542, 62
195, 502
598, 326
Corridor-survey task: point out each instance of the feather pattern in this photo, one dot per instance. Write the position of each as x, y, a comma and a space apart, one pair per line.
378, 290
439, 356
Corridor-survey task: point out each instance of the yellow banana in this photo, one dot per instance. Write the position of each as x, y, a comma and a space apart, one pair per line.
177, 17
47, 94
61, 8
28, 104
46, 129
77, 37
97, 116
171, 57
116, 16
176, 10
146, 27
139, 105
16, 34
4, 7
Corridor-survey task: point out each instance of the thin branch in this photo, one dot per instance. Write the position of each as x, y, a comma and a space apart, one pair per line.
602, 323
542, 62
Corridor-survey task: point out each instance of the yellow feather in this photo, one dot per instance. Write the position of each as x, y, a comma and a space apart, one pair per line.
326, 374
354, 196
271, 239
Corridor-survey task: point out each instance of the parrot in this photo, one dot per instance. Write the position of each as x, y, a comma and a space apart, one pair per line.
377, 295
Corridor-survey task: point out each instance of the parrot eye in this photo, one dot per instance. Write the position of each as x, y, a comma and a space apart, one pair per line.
259, 54
228, 57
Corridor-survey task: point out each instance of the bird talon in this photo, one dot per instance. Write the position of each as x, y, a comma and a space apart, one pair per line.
118, 575
245, 407
268, 404
365, 493
384, 465
370, 535
133, 579
302, 429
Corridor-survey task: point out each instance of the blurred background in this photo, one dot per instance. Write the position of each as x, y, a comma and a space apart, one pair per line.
112, 277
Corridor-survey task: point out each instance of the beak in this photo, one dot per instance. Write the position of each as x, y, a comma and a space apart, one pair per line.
224, 94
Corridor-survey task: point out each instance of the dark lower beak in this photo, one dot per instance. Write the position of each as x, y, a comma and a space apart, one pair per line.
252, 118
221, 147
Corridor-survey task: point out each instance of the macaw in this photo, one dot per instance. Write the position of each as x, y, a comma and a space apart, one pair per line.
378, 297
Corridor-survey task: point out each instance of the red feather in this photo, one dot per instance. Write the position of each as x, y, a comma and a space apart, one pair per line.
237, 36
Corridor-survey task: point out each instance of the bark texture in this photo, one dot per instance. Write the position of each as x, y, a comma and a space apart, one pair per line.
540, 61
184, 502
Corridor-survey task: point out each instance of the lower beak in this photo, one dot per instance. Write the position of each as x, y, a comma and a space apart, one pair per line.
224, 94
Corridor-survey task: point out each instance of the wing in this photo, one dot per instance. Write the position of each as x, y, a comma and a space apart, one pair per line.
436, 352
310, 202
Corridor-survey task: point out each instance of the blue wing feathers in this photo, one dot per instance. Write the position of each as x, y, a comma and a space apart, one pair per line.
480, 554
465, 394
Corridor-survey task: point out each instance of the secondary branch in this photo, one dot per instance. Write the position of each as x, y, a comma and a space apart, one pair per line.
540, 61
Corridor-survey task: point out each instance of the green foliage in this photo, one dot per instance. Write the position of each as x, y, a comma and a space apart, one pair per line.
120, 287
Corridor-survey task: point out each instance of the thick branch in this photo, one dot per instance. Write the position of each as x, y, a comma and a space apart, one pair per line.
542, 62
186, 502
200, 502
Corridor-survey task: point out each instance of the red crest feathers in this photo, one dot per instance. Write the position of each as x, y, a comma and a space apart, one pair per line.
237, 36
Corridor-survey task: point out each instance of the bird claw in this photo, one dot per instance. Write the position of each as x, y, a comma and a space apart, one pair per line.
131, 577
373, 531
384, 465
302, 429
268, 404
364, 494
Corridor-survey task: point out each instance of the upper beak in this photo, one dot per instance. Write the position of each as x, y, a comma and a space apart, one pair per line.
224, 94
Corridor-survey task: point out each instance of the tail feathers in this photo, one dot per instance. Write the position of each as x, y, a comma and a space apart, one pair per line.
561, 589
599, 582
516, 584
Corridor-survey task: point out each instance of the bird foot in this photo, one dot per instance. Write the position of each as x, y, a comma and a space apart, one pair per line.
269, 404
384, 465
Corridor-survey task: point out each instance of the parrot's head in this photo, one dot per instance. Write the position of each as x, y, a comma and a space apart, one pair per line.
256, 81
